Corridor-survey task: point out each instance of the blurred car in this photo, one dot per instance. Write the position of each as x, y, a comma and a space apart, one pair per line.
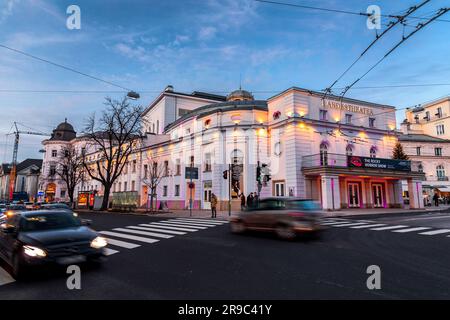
12, 208
55, 206
2, 208
38, 238
287, 217
29, 205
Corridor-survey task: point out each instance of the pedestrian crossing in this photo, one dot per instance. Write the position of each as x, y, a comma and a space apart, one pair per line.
374, 226
132, 237
135, 236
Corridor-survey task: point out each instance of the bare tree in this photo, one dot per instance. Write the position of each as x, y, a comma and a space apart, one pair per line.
153, 174
70, 169
111, 139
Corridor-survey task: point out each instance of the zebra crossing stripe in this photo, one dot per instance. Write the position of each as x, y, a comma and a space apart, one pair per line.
202, 221
349, 224
127, 236
145, 233
434, 232
192, 223
369, 226
165, 226
331, 223
168, 223
179, 233
110, 252
389, 228
412, 229
122, 244
5, 277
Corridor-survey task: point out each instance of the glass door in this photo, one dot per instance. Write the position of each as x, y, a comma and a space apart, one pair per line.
353, 195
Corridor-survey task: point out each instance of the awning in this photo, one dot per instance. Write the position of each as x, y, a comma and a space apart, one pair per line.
444, 189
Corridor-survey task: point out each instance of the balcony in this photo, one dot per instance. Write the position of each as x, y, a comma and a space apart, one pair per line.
441, 178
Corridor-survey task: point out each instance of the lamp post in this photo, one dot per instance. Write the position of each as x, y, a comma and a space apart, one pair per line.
133, 95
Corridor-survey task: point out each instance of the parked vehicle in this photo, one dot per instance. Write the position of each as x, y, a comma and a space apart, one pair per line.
287, 217
38, 238
55, 206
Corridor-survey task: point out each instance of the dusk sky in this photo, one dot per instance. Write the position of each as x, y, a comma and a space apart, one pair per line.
202, 45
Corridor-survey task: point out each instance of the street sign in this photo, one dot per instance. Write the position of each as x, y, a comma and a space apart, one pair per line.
191, 173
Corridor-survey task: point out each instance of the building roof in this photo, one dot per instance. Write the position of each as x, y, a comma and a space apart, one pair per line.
63, 132
28, 163
321, 95
6, 169
240, 95
421, 138
220, 107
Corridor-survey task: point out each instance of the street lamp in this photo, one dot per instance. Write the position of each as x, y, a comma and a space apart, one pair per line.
133, 95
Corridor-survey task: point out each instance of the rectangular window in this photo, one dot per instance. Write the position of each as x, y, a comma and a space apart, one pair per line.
440, 129
418, 151
208, 166
166, 168
427, 116
125, 185
134, 166
178, 167
439, 112
54, 153
164, 191
372, 122
145, 171
438, 152
177, 190
279, 189
323, 115
348, 118
52, 170
125, 168
120, 186
133, 185
182, 112
63, 193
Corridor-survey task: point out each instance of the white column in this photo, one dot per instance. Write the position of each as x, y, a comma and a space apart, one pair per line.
331, 198
415, 194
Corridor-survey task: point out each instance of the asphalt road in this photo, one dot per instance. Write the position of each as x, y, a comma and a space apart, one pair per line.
212, 263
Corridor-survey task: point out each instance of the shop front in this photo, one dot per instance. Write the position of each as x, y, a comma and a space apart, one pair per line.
346, 182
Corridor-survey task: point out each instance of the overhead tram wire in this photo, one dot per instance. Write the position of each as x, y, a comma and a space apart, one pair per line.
331, 10
64, 67
392, 24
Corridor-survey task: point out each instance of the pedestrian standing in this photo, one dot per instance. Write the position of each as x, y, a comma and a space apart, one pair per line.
250, 200
242, 202
436, 199
213, 206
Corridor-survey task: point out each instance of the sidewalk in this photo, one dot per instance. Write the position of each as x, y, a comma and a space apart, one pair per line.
382, 211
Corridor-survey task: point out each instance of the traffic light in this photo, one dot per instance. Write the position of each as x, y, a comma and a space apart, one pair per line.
258, 173
225, 174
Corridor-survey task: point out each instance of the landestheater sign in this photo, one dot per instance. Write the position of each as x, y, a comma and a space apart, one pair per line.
331, 104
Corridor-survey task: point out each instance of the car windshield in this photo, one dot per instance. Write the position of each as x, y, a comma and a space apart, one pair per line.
271, 204
17, 207
56, 206
49, 221
304, 205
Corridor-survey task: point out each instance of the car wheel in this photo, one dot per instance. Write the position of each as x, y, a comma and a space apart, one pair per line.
285, 232
237, 227
18, 269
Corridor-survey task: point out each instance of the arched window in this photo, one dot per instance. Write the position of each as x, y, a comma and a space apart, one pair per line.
323, 154
373, 152
440, 171
349, 150
420, 168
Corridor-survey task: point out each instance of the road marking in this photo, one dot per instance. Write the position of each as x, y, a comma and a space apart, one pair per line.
192, 223
389, 228
130, 237
434, 232
331, 223
369, 226
165, 226
5, 277
109, 251
166, 223
349, 224
122, 244
145, 233
204, 220
158, 230
200, 221
411, 229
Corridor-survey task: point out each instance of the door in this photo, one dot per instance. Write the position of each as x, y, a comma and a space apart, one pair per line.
207, 198
353, 195
377, 194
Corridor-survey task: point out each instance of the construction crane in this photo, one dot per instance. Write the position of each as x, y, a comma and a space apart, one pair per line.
13, 173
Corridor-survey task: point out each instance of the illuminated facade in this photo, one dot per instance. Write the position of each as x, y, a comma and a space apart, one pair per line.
315, 147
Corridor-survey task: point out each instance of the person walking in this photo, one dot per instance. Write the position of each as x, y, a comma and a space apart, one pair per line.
242, 202
213, 206
436, 199
250, 200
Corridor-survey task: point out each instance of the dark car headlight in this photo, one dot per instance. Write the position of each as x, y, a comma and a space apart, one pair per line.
34, 252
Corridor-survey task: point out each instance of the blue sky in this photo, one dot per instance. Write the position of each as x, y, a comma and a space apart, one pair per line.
202, 45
